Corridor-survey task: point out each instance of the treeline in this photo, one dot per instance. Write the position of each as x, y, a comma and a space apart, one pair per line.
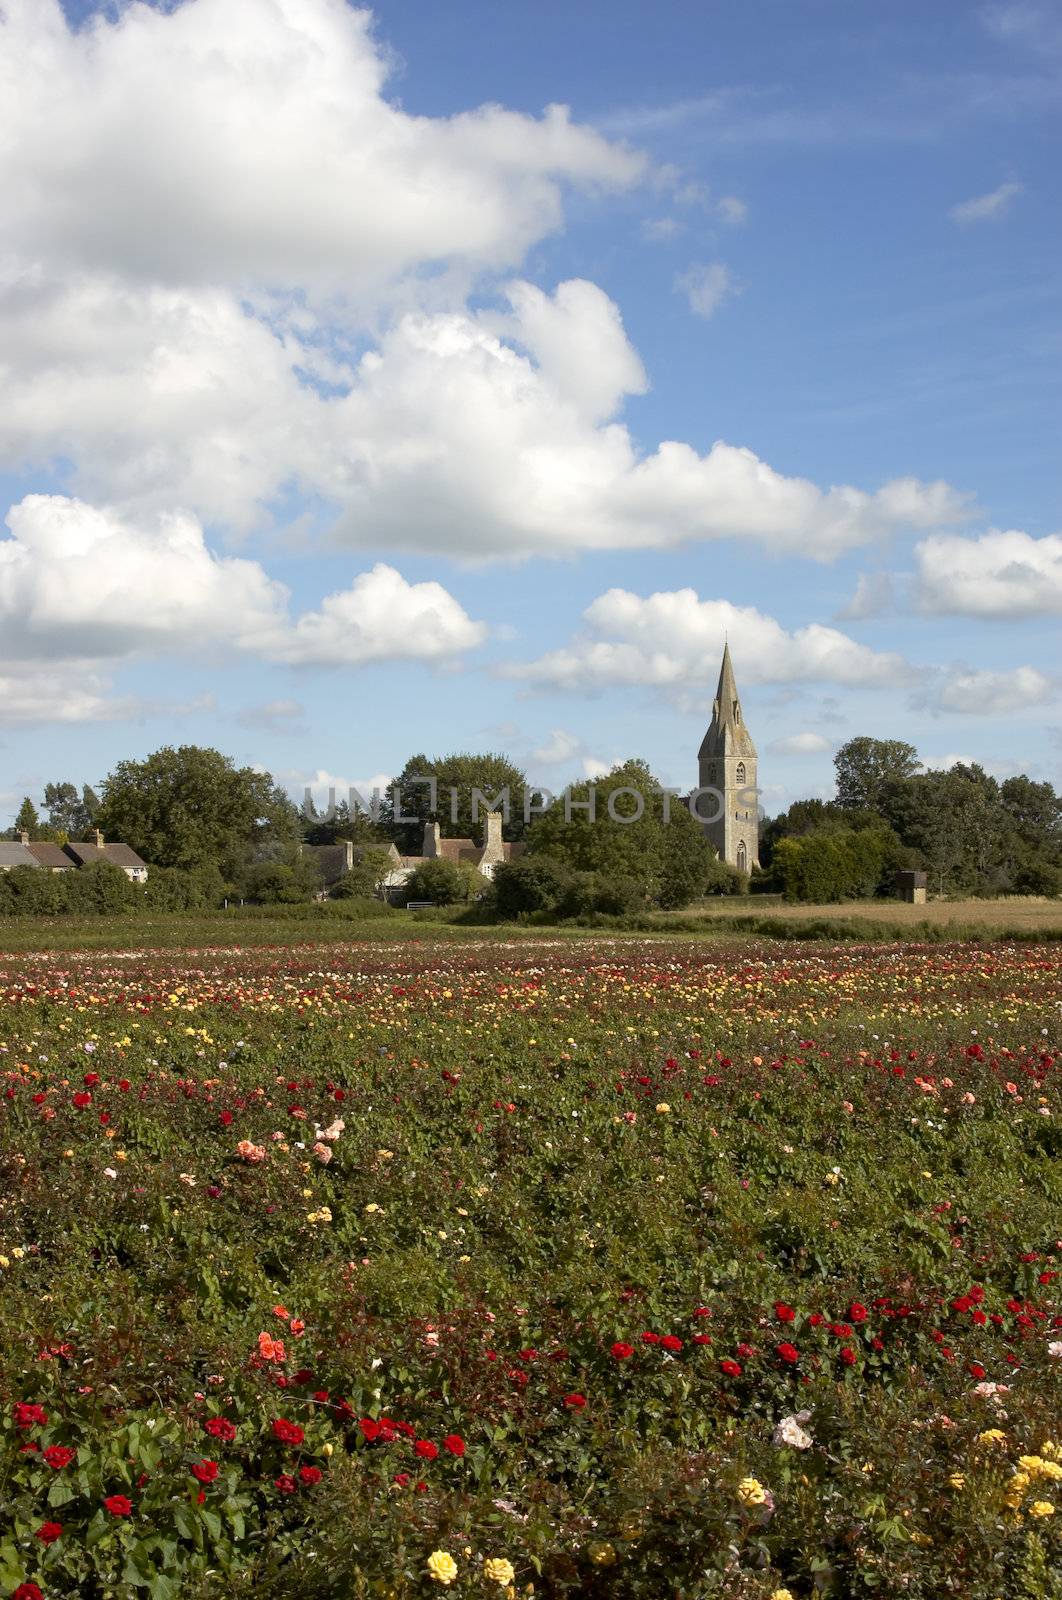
969, 833
211, 832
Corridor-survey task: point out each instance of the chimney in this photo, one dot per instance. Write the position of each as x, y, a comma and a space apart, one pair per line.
432, 836
98, 841
493, 838
23, 837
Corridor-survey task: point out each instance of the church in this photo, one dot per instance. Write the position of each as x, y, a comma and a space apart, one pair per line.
727, 762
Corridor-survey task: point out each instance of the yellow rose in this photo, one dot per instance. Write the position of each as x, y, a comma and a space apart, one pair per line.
750, 1492
442, 1568
1041, 1508
781, 1594
663, 1108
991, 1436
498, 1570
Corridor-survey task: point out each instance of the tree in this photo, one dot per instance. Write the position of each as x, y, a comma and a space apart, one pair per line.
444, 882
182, 807
669, 860
836, 863
70, 815
462, 771
530, 883
27, 820
864, 766
365, 877
358, 828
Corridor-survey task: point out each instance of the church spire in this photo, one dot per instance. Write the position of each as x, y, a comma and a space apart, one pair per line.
727, 734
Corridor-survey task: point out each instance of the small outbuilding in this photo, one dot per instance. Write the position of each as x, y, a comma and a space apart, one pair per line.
911, 886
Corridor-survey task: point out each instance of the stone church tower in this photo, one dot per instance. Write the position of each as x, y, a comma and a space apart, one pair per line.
728, 763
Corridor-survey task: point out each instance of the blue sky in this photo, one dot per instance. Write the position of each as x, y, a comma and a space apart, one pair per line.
355, 405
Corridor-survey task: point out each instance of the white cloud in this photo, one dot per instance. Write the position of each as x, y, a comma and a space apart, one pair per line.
250, 141
479, 435
273, 716
72, 693
656, 230
381, 617
732, 210
561, 746
873, 597
999, 574
706, 286
80, 582
989, 694
987, 207
799, 744
671, 641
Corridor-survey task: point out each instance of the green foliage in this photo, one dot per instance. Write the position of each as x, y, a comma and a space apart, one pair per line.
70, 814
445, 882
183, 806
864, 766
371, 866
836, 864
669, 860
530, 883
464, 771
27, 820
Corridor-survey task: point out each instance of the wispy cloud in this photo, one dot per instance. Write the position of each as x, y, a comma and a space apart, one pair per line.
987, 207
706, 286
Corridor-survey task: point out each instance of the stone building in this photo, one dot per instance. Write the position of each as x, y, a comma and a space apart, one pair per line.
727, 761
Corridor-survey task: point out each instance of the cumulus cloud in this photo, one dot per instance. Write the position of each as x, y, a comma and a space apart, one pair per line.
487, 434
671, 641
799, 744
381, 617
988, 694
999, 574
251, 141
706, 286
273, 716
990, 207
77, 581
70, 693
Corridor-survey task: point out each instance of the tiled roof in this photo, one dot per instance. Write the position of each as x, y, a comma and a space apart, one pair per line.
49, 855
117, 855
15, 855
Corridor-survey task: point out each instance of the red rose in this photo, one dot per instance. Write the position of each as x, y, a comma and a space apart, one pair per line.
575, 1401
220, 1428
27, 1591
650, 1338
621, 1351
225, 1118
789, 1353
48, 1532
702, 1338
670, 1342
310, 1475
29, 1415
205, 1471
287, 1432
285, 1483
455, 1444
426, 1450
59, 1456
848, 1356
975, 1369
81, 1100
118, 1505
731, 1368
369, 1428
402, 1479
857, 1312
783, 1312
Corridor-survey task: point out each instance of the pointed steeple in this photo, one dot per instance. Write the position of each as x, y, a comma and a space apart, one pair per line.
727, 734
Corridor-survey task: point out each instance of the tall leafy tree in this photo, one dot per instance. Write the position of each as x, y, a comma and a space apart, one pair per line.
182, 807
864, 766
669, 859
70, 814
462, 771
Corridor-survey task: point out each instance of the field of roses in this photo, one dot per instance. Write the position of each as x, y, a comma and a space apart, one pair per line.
602, 1269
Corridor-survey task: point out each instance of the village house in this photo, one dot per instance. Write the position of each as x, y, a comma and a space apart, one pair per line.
48, 857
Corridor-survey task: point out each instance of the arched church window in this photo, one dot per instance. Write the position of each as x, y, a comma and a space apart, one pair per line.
739, 773
742, 857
